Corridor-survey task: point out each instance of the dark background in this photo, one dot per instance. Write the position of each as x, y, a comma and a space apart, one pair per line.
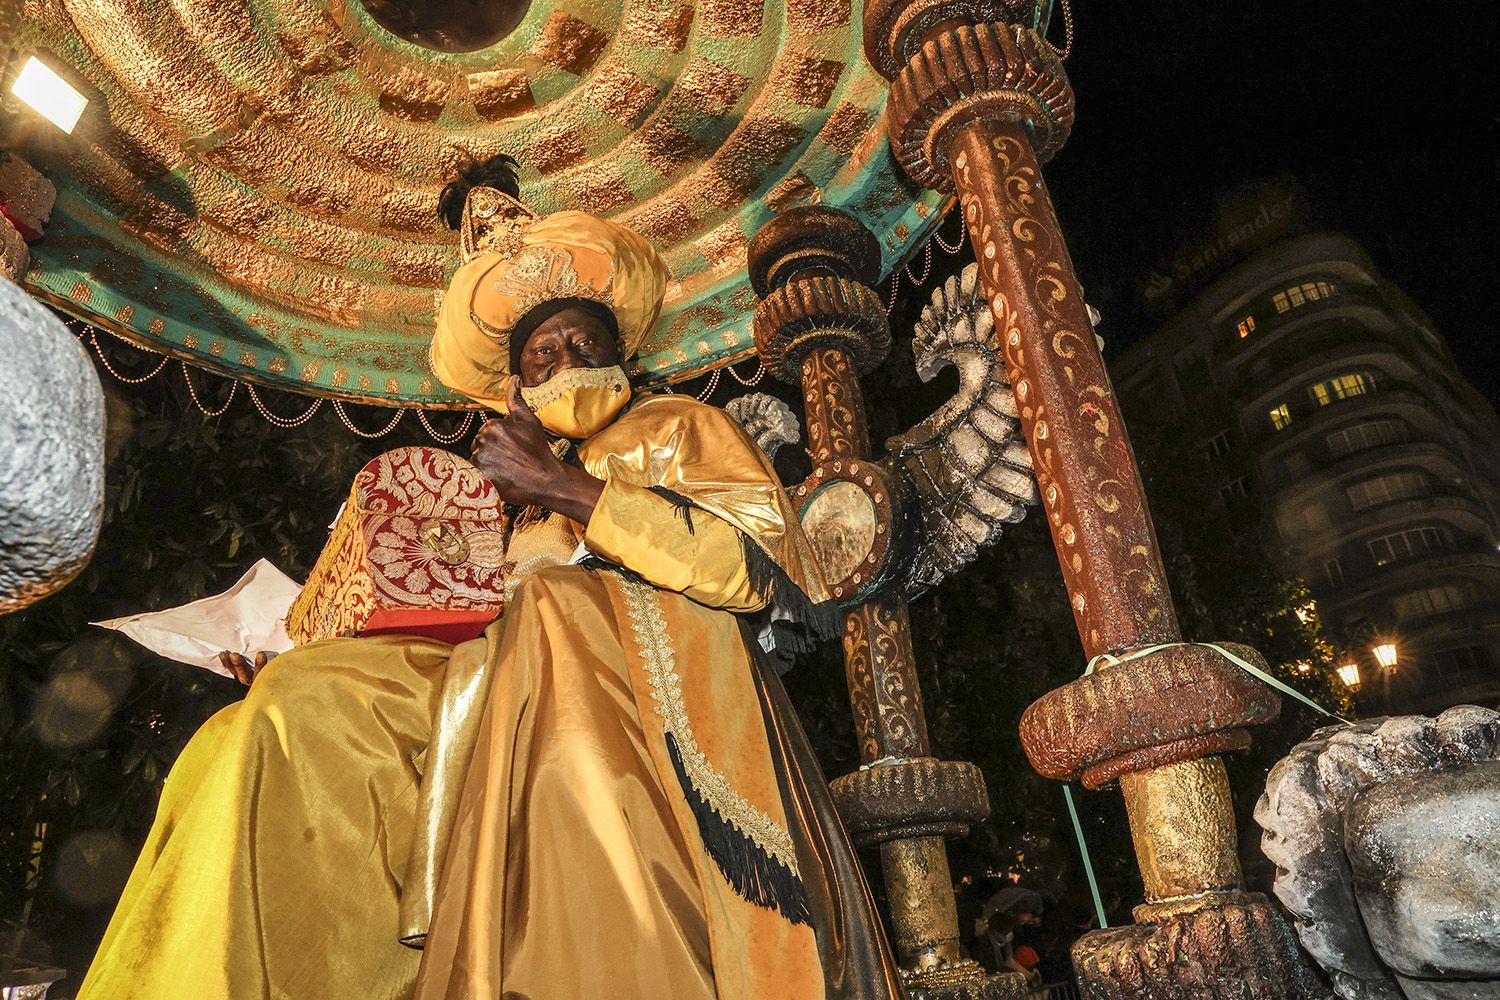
1385, 112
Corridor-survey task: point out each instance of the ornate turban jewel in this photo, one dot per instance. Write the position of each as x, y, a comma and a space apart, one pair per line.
515, 262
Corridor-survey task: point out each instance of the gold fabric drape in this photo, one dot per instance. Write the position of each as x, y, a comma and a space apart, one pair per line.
536, 787
274, 866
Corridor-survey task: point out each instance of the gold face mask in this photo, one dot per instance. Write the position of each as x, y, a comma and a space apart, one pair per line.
579, 402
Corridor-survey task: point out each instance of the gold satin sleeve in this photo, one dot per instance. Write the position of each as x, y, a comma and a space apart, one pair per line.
689, 551
702, 453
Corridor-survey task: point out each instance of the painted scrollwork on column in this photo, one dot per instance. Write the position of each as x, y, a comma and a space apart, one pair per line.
835, 408
1085, 470
978, 101
879, 658
820, 325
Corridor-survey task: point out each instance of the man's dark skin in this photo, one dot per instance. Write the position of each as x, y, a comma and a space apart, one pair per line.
515, 452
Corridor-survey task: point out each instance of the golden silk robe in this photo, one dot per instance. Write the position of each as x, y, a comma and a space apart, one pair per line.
603, 796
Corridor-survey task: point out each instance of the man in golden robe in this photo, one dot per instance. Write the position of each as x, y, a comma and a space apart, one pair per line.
606, 795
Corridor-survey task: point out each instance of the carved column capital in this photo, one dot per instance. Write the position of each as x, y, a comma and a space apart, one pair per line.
1093, 728
896, 29
812, 268
818, 312
1237, 945
990, 73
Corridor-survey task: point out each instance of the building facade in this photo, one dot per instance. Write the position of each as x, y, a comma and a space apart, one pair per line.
1330, 415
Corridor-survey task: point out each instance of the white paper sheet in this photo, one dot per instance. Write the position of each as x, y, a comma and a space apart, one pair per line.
247, 618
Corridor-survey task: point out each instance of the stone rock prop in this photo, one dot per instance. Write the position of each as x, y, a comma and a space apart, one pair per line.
51, 452
26, 195
14, 257
1386, 837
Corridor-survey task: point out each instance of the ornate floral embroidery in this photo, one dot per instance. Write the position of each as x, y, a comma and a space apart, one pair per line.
541, 273
666, 689
559, 385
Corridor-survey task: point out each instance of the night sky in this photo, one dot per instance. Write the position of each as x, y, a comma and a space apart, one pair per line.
1386, 113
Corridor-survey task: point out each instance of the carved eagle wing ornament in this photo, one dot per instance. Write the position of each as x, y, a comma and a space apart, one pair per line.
967, 464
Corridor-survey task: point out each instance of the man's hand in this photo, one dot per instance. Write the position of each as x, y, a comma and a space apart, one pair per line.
244, 670
515, 454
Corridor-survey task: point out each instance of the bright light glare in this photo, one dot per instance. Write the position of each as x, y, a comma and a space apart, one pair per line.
1385, 654
1349, 674
49, 95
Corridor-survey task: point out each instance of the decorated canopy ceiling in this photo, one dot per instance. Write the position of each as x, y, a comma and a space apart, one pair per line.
253, 187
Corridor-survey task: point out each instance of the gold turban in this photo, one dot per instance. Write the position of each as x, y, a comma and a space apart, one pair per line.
566, 255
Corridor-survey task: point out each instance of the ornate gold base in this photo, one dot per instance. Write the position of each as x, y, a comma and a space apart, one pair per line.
1233, 946
965, 980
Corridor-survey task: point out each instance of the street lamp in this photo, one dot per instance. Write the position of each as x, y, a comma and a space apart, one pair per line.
1385, 654
1349, 674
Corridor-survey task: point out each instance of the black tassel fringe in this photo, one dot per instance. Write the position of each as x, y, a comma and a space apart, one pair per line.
819, 622
684, 504
594, 564
755, 875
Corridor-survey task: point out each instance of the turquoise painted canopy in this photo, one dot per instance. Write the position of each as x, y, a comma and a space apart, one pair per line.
254, 185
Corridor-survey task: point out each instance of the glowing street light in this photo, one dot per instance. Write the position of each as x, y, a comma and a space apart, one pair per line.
1349, 674
1385, 654
49, 95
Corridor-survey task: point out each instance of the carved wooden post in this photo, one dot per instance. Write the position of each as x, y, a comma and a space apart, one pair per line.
976, 103
820, 324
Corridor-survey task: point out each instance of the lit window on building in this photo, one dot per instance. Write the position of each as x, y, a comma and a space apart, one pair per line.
1281, 417
1246, 327
1343, 387
1297, 295
1334, 571
1388, 488
1216, 446
1409, 544
1431, 601
1233, 490
1366, 435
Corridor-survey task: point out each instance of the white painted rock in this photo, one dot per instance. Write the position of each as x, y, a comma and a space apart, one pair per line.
51, 452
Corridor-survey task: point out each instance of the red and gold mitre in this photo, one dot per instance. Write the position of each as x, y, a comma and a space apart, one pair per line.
566, 255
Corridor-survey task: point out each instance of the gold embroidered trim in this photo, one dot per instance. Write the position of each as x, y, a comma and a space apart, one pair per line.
493, 222
540, 274
564, 382
501, 337
655, 644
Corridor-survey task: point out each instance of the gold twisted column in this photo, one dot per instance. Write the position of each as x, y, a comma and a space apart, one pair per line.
976, 104
819, 325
